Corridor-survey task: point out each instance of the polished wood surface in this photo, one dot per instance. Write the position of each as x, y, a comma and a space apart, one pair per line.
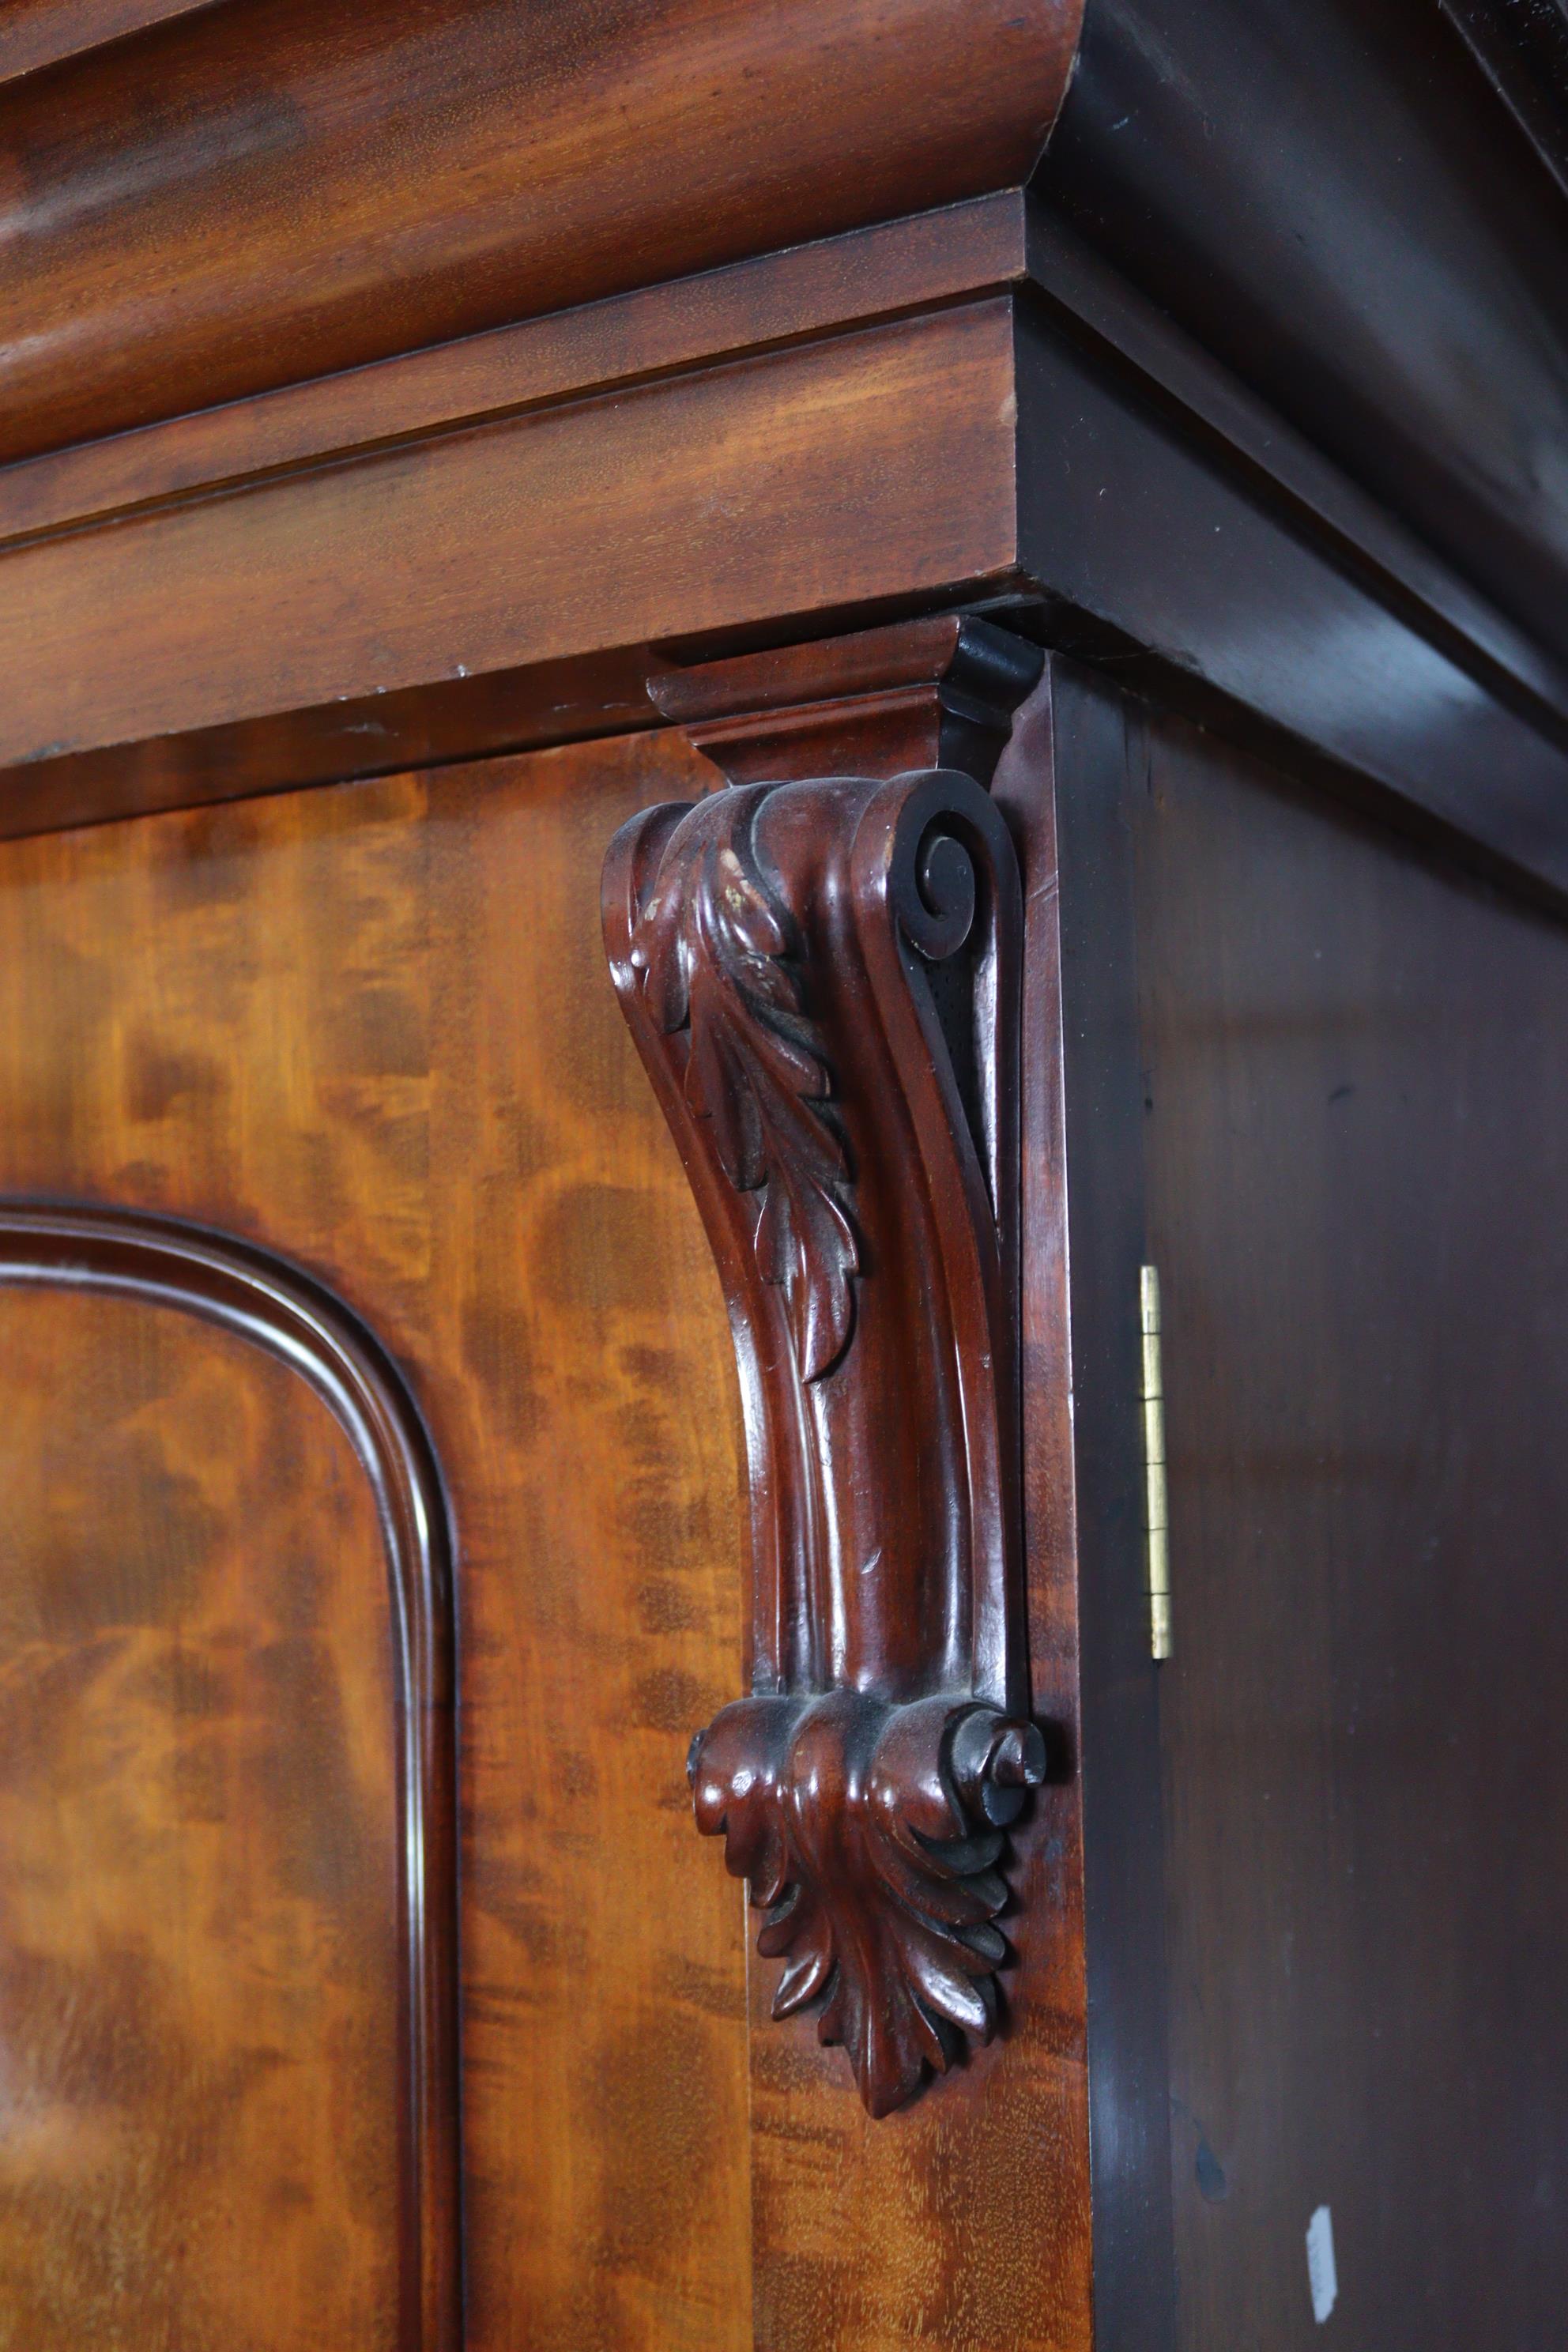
34, 32
1524, 55
1267, 171
817, 289
1260, 595
370, 1028
408, 1072
934, 693
1308, 493
263, 191
696, 389
822, 976
254, 1296
198, 1847
736, 502
1357, 1152
1087, 1391
1059, 449
964, 2218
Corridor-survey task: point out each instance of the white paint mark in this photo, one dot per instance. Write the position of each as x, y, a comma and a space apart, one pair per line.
1321, 2275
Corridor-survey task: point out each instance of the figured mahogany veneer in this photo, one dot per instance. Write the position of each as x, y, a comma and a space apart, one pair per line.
258, 1298
822, 975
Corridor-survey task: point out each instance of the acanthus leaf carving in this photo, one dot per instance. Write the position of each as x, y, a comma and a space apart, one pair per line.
719, 961
850, 1133
871, 1835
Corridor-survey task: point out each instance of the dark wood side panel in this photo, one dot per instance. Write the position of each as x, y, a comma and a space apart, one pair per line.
1094, 1040
370, 1027
1524, 55
1357, 1157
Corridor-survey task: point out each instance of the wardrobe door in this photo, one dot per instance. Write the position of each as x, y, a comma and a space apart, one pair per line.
211, 2095
354, 1314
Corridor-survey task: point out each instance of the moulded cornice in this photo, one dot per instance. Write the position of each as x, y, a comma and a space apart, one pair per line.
255, 193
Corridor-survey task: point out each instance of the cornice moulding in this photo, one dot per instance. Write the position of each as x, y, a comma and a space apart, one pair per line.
296, 186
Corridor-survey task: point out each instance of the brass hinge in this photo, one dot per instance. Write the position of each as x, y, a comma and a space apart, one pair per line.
1156, 1506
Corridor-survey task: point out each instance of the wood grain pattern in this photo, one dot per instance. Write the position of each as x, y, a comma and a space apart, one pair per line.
1109, 508
1357, 1148
870, 465
370, 1027
34, 32
777, 297
199, 1851
295, 186
964, 2218
258, 1299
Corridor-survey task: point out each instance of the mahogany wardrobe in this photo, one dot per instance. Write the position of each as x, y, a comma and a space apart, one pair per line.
783, 1143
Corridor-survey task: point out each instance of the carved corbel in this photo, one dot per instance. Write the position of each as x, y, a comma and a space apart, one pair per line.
821, 973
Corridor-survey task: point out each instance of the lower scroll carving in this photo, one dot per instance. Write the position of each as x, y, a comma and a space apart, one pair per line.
821, 977
871, 1836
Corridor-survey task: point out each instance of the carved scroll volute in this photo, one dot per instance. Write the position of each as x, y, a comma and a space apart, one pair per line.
822, 978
